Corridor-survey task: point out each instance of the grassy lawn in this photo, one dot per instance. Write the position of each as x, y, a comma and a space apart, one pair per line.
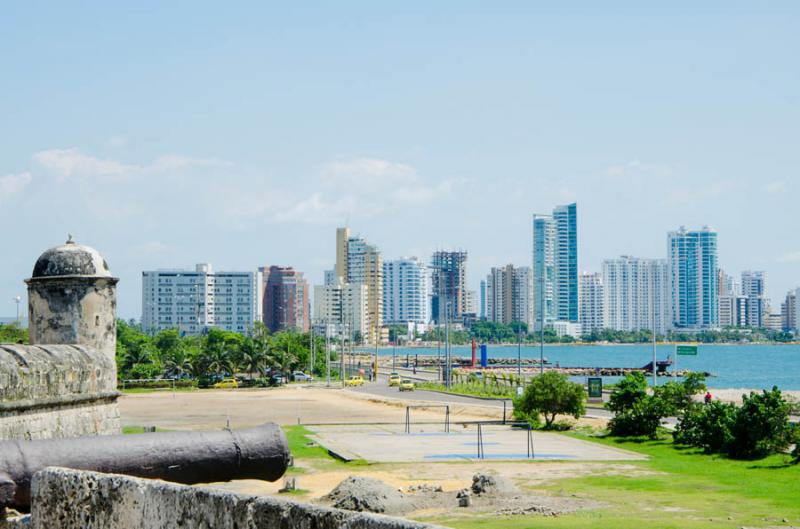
309, 456
138, 429
682, 488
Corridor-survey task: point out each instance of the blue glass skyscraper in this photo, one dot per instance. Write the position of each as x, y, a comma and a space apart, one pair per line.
555, 266
693, 278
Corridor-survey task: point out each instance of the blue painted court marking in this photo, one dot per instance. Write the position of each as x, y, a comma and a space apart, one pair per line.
471, 455
420, 434
475, 443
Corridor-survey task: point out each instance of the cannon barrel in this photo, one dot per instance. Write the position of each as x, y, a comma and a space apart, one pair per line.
182, 457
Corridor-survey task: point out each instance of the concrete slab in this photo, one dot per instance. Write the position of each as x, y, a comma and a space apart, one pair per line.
429, 443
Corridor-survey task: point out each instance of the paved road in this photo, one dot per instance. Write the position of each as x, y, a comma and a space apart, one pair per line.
382, 389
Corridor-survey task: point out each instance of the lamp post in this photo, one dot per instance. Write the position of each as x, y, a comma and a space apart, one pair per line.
541, 324
17, 300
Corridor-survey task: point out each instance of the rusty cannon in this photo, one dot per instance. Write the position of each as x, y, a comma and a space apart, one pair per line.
182, 457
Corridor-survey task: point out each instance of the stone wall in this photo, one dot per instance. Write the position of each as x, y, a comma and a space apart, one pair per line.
54, 391
70, 499
97, 416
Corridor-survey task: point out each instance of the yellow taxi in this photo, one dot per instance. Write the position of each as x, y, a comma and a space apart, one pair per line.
227, 383
406, 385
355, 380
394, 379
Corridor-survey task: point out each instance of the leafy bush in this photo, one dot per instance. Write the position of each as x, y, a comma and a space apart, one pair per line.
756, 429
643, 417
707, 427
679, 395
761, 426
628, 392
551, 394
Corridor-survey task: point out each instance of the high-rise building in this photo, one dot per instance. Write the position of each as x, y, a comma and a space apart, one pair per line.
509, 295
790, 311
342, 241
341, 309
591, 302
555, 265
365, 266
636, 294
449, 286
754, 291
194, 301
406, 292
693, 278
482, 314
286, 299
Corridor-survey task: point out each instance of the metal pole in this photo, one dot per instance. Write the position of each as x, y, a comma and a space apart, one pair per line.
447, 344
341, 369
311, 350
519, 353
653, 330
328, 355
541, 326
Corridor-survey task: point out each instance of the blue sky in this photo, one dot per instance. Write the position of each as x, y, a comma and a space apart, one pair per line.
243, 134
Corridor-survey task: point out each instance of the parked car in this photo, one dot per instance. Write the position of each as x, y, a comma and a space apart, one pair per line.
406, 385
394, 379
277, 380
355, 380
299, 376
227, 383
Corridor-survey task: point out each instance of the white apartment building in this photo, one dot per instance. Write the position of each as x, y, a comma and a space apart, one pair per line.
342, 308
591, 295
406, 292
509, 295
754, 289
636, 294
194, 302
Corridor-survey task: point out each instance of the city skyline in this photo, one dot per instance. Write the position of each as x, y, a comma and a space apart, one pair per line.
281, 125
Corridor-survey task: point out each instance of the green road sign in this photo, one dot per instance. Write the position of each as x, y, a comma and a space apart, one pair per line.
595, 388
687, 350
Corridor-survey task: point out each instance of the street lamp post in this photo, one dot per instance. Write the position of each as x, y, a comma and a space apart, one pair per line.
541, 324
17, 300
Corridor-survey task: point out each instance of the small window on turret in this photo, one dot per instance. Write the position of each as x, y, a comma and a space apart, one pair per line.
97, 320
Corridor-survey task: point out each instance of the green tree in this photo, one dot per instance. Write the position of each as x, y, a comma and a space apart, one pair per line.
13, 333
551, 394
707, 427
761, 426
635, 412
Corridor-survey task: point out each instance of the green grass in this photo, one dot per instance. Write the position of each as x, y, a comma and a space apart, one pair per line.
131, 391
308, 453
679, 488
473, 390
138, 429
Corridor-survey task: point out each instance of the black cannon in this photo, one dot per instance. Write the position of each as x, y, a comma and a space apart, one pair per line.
182, 457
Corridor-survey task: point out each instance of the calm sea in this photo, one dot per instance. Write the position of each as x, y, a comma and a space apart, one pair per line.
733, 366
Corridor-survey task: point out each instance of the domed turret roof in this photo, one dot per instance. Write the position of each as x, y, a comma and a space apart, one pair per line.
71, 259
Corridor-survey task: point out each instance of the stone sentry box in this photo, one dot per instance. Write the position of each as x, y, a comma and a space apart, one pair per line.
64, 384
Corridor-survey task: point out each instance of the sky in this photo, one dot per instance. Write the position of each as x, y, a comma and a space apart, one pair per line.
242, 134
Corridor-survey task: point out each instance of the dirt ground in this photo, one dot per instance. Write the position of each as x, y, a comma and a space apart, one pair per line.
210, 409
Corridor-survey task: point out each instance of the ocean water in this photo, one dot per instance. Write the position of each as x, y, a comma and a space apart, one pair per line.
733, 366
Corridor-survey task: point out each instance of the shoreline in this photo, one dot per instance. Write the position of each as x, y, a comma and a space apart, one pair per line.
433, 345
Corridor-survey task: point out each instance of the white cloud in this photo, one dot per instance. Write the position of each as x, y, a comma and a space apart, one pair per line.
362, 188
367, 173
791, 257
777, 186
11, 184
117, 142
67, 163
71, 163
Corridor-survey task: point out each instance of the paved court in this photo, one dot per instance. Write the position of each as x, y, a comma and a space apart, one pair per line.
430, 443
